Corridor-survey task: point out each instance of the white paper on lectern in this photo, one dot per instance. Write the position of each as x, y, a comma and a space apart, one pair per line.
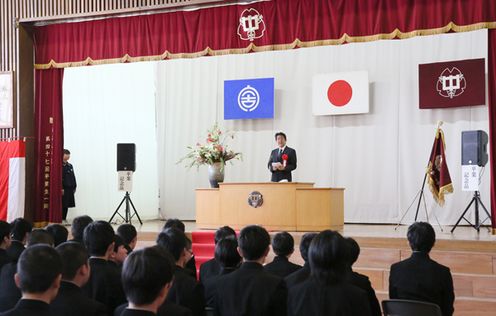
276, 165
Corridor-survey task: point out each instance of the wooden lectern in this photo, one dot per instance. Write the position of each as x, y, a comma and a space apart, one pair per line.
290, 206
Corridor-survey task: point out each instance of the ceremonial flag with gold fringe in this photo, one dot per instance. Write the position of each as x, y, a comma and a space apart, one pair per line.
437, 170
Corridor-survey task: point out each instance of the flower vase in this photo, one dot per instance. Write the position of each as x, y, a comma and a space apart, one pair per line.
215, 174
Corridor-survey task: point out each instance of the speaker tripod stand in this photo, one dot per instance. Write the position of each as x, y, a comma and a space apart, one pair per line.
127, 212
476, 200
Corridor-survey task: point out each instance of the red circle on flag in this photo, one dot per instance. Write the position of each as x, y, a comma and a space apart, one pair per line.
339, 93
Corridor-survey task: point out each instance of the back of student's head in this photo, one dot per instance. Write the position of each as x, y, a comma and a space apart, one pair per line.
327, 256
38, 268
40, 236
145, 274
283, 244
4, 231
127, 232
58, 232
74, 255
19, 228
421, 236
175, 223
226, 253
305, 242
224, 232
254, 242
173, 240
353, 250
98, 236
78, 225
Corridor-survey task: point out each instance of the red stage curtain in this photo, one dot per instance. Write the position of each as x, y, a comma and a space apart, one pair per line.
214, 31
49, 142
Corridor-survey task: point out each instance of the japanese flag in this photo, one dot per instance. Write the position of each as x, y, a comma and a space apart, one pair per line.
340, 93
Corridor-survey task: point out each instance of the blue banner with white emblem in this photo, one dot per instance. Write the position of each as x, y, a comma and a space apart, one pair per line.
249, 99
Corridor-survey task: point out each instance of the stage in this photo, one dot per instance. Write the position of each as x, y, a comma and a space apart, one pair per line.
471, 256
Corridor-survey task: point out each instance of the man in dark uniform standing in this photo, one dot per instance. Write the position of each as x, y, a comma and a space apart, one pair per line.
282, 160
68, 185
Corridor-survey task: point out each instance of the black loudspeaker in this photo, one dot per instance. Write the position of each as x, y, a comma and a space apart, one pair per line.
474, 148
126, 157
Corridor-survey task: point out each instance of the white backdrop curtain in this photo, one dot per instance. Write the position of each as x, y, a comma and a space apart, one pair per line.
379, 158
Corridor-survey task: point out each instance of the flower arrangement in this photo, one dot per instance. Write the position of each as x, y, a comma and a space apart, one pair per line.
215, 150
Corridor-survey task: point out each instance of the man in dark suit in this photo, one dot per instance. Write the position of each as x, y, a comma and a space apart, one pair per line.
283, 247
77, 228
71, 301
4, 243
419, 277
185, 290
250, 290
360, 280
282, 160
147, 278
69, 185
104, 284
326, 292
38, 277
20, 230
303, 273
212, 267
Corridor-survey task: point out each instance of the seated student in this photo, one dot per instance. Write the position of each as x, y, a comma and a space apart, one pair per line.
419, 277
104, 284
4, 243
302, 274
212, 267
38, 277
191, 264
19, 232
71, 301
77, 228
185, 290
119, 254
227, 255
58, 232
147, 278
129, 235
326, 292
283, 246
360, 280
250, 290
9, 291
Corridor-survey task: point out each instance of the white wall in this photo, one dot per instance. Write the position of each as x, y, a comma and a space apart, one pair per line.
103, 106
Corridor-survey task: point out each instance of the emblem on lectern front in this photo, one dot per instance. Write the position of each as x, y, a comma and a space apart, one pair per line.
255, 199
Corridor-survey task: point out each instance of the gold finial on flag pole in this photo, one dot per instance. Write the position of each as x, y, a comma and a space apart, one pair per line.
439, 123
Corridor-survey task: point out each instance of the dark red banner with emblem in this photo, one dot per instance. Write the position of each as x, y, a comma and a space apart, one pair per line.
437, 171
452, 84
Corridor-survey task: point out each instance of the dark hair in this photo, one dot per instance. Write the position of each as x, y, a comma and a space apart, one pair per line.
224, 232
78, 225
173, 240
67, 152
118, 242
421, 236
38, 267
226, 253
283, 244
175, 223
280, 134
327, 256
98, 236
19, 228
58, 232
145, 273
4, 230
127, 232
74, 255
253, 241
305, 244
40, 236
353, 250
